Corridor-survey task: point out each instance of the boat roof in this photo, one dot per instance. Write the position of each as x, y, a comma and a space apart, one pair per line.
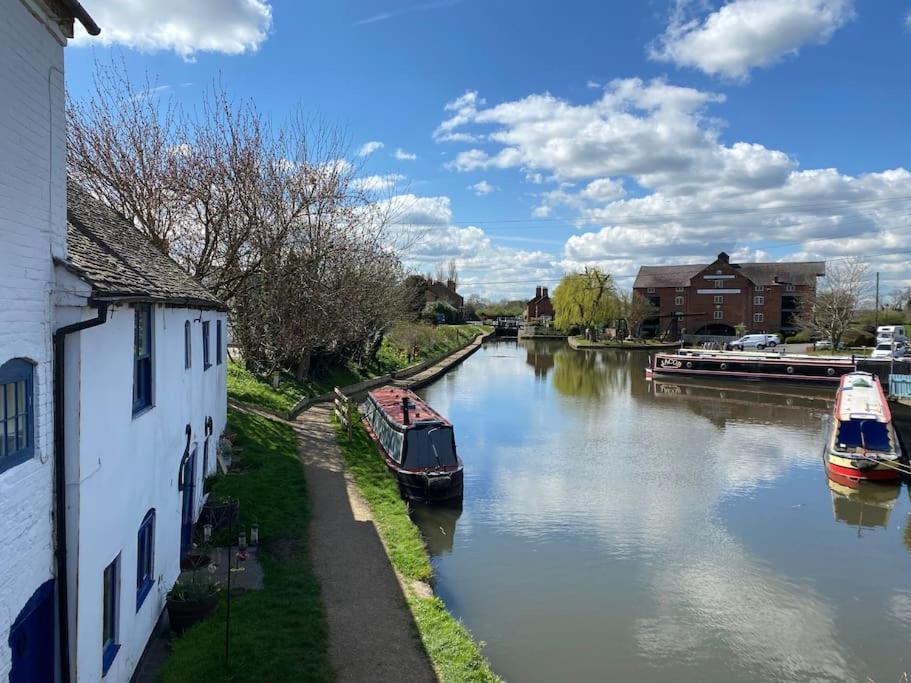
860, 397
389, 400
761, 355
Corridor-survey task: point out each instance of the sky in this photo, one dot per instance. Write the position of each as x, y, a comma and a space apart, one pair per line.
528, 139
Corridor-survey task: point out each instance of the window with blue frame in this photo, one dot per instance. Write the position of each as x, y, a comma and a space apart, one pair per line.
110, 616
205, 346
187, 346
16, 412
142, 358
145, 558
218, 342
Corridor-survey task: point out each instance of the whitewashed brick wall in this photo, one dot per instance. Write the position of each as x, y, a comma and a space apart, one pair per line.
32, 231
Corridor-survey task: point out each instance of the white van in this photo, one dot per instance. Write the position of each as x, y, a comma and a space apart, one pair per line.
890, 333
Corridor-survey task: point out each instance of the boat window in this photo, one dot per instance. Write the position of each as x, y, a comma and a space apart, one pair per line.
389, 437
430, 446
867, 434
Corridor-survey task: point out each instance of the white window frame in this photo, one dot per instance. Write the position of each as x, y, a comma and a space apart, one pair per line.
759, 301
720, 284
758, 318
680, 289
760, 288
650, 290
718, 299
718, 315
678, 301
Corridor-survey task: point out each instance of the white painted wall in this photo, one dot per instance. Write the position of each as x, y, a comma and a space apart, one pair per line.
123, 466
32, 231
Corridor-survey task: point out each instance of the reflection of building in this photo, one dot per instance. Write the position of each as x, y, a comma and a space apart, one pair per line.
540, 358
862, 504
540, 308
713, 299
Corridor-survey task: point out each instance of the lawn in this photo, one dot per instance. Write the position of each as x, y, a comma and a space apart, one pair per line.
279, 633
394, 354
456, 656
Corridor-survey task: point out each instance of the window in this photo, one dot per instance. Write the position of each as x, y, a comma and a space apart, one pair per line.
218, 342
142, 358
16, 413
758, 300
187, 346
718, 315
678, 301
651, 290
718, 299
111, 586
205, 346
760, 288
758, 317
680, 289
145, 558
789, 288
205, 459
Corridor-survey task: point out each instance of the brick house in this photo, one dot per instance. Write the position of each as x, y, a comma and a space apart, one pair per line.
539, 308
438, 291
714, 298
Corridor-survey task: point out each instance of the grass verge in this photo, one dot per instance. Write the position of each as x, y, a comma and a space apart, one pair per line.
279, 633
425, 342
456, 656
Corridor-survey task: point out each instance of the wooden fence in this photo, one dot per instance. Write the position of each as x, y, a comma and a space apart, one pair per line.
345, 410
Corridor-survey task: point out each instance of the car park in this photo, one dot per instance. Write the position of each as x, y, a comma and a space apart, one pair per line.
887, 350
755, 341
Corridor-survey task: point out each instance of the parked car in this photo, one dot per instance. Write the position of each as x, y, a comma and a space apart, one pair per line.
886, 350
890, 333
822, 344
755, 341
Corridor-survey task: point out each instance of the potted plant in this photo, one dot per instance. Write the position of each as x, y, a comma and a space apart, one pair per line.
191, 600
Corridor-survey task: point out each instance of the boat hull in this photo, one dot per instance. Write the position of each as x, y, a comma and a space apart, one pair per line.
756, 369
430, 487
860, 470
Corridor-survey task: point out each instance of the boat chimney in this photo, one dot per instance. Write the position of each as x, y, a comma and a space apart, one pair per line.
406, 419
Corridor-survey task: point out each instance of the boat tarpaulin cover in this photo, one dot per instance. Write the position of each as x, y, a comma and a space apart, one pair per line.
430, 446
867, 434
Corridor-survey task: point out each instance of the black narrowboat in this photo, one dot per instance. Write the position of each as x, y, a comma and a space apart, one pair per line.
756, 366
417, 445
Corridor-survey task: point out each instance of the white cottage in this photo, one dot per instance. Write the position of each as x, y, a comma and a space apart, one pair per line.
144, 370
33, 34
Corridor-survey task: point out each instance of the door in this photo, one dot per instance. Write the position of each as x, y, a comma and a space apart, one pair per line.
188, 504
31, 638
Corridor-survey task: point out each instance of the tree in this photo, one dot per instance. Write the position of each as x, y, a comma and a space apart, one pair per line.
635, 309
831, 311
586, 299
414, 293
452, 273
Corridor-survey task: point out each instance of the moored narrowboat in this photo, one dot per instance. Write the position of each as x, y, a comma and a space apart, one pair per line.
862, 443
417, 445
755, 366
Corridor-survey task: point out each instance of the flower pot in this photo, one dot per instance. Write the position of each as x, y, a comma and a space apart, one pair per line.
194, 560
182, 614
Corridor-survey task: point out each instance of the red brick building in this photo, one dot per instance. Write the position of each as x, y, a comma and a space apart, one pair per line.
437, 291
714, 298
539, 308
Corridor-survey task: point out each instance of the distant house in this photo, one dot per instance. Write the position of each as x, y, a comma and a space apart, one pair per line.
715, 298
437, 291
540, 308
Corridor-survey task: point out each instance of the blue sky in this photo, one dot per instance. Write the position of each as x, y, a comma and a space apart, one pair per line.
549, 136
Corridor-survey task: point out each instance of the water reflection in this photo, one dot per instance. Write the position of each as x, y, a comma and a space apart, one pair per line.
862, 504
618, 530
541, 359
438, 525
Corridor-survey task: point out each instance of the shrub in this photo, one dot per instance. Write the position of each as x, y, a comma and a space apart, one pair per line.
435, 308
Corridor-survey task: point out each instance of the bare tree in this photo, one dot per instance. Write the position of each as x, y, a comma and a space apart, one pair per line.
831, 310
635, 309
452, 273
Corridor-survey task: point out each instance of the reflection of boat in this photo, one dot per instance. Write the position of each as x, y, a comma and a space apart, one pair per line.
417, 444
862, 442
754, 395
861, 503
437, 525
756, 366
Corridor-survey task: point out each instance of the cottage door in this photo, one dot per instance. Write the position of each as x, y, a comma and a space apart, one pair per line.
189, 499
31, 638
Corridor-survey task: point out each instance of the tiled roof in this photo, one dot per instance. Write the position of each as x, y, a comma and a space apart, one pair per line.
112, 256
796, 273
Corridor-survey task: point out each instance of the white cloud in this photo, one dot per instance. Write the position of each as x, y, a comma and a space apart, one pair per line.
420, 7
463, 109
908, 20
482, 188
745, 34
369, 148
227, 26
378, 183
402, 155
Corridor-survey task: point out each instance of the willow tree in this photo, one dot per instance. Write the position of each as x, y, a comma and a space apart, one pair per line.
585, 299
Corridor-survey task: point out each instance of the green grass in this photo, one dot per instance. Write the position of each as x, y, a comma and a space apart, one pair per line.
279, 633
456, 656
246, 387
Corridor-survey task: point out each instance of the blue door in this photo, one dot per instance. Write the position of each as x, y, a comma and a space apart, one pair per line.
31, 639
189, 498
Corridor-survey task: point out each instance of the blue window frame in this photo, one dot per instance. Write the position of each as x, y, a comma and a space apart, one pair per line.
218, 342
187, 346
145, 558
205, 346
17, 419
109, 616
142, 358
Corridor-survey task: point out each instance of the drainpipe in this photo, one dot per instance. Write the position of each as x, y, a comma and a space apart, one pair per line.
59, 482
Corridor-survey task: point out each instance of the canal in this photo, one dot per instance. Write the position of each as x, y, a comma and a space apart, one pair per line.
619, 530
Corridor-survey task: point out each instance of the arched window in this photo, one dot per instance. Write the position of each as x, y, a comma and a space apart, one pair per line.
145, 558
17, 414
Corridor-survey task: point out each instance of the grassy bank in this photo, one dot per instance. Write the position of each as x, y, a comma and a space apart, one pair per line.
456, 656
406, 344
280, 632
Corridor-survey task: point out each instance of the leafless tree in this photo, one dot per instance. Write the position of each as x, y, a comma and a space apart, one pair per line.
831, 311
452, 273
635, 309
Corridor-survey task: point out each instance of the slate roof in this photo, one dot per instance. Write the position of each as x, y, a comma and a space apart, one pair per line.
795, 273
111, 255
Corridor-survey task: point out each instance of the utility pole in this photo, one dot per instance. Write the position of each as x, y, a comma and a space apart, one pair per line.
876, 314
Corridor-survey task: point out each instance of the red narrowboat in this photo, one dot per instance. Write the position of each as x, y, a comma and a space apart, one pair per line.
417, 445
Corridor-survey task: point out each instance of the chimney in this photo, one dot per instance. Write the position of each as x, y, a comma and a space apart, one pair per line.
451, 285
537, 292
724, 257
545, 292
406, 419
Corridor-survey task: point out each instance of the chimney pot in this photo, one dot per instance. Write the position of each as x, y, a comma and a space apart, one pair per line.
537, 292
451, 284
406, 419
545, 292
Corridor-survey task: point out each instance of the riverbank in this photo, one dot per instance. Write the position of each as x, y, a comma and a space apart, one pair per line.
581, 343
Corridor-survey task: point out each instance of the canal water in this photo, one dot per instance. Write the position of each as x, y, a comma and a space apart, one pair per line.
615, 529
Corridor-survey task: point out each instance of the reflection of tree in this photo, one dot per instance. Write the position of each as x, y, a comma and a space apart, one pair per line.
540, 357
590, 374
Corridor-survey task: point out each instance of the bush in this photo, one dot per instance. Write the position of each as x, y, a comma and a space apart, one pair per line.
802, 337
859, 338
435, 308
